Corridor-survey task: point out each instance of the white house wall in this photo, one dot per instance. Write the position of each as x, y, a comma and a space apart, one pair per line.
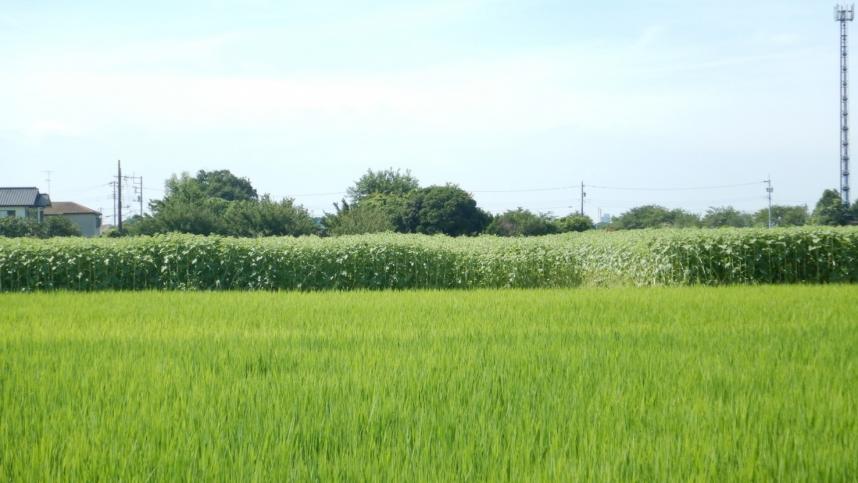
20, 212
87, 223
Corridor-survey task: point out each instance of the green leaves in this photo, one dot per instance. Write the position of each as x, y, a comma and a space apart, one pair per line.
395, 261
189, 262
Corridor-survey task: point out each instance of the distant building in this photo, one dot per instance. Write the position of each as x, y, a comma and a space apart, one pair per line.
87, 220
606, 219
23, 203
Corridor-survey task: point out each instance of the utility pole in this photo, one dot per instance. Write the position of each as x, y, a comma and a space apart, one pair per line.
844, 14
140, 198
119, 197
769, 190
583, 194
113, 185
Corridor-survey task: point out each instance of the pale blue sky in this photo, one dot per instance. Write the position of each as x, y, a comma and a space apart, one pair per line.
303, 97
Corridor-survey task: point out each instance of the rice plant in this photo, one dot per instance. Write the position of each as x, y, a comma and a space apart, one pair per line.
630, 384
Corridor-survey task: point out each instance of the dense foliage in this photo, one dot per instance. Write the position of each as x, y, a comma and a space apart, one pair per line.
358, 220
342, 263
388, 182
690, 384
521, 222
220, 203
185, 212
447, 210
726, 216
654, 216
390, 200
783, 216
830, 210
374, 213
644, 257
727, 256
573, 222
52, 226
220, 184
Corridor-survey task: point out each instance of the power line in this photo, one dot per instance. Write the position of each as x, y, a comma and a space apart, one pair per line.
335, 193
698, 201
556, 188
89, 188
529, 190
691, 188
556, 204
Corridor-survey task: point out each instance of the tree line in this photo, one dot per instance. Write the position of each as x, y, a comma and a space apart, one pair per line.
391, 200
829, 210
221, 203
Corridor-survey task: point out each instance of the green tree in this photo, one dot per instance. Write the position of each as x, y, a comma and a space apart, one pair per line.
375, 213
717, 217
220, 203
683, 219
225, 185
59, 226
654, 216
782, 216
520, 222
384, 182
221, 185
358, 220
265, 217
52, 226
203, 216
573, 222
137, 225
186, 208
442, 209
830, 210
12, 227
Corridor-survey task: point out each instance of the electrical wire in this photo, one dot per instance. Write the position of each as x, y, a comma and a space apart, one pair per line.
695, 188
530, 190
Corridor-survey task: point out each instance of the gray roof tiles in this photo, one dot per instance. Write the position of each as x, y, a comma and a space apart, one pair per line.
69, 208
29, 197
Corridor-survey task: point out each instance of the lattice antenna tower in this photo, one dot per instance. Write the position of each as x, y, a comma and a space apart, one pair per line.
844, 14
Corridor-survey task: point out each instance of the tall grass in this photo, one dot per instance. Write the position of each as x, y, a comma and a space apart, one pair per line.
681, 384
658, 257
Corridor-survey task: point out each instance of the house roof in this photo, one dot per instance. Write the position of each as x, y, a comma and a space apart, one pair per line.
69, 208
29, 197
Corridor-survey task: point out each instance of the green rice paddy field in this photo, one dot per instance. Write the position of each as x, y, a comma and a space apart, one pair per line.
736, 383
